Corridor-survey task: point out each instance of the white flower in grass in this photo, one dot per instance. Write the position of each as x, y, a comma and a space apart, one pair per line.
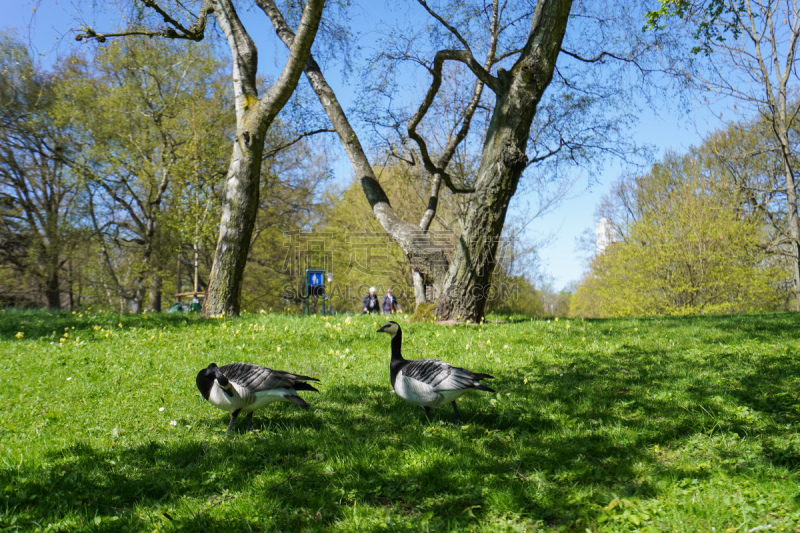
173, 422
68, 379
160, 408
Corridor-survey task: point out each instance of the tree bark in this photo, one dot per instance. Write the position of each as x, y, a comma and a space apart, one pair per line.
419, 287
253, 118
792, 217
154, 296
502, 161
137, 302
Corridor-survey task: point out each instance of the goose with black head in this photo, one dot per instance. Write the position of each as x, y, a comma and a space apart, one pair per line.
428, 382
243, 388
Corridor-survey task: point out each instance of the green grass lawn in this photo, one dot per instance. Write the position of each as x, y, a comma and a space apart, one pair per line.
679, 424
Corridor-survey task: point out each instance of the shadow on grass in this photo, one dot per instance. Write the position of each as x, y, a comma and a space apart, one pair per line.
365, 448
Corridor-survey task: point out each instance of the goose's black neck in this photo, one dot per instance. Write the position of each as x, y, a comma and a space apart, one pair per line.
397, 357
397, 342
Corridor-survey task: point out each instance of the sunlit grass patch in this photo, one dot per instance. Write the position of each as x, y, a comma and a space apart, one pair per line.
679, 424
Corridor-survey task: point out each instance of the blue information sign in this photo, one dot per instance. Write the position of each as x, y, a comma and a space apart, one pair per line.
315, 286
315, 279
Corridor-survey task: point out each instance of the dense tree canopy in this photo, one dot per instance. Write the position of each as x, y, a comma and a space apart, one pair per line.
111, 174
37, 193
686, 242
745, 51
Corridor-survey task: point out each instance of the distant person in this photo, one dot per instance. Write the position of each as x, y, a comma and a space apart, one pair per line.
370, 302
390, 305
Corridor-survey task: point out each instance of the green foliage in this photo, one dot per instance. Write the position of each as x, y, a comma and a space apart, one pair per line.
514, 294
290, 201
146, 126
690, 249
37, 194
424, 313
155, 125
712, 20
361, 252
673, 424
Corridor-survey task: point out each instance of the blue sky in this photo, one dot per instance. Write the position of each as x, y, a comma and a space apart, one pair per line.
51, 37
561, 259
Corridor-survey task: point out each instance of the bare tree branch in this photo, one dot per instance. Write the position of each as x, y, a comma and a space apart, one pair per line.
275, 151
174, 30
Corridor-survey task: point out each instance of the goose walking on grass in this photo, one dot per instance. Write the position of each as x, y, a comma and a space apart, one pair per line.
243, 388
428, 382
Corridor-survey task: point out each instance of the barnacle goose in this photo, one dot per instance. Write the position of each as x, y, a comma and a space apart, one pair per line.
428, 382
243, 388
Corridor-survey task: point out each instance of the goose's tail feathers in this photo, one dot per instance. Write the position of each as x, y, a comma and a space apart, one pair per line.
480, 386
304, 378
304, 386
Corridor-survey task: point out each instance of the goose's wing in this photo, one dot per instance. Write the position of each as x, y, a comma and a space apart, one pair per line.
440, 376
258, 378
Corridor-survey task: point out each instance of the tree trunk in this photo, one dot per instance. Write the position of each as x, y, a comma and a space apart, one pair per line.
778, 104
794, 229
52, 287
253, 118
502, 161
781, 127
418, 276
137, 302
419, 287
70, 286
154, 297
423, 255
236, 226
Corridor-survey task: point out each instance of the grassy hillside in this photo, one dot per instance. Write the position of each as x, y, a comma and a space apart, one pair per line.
613, 425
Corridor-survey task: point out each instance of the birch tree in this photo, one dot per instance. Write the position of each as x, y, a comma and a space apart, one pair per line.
254, 115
